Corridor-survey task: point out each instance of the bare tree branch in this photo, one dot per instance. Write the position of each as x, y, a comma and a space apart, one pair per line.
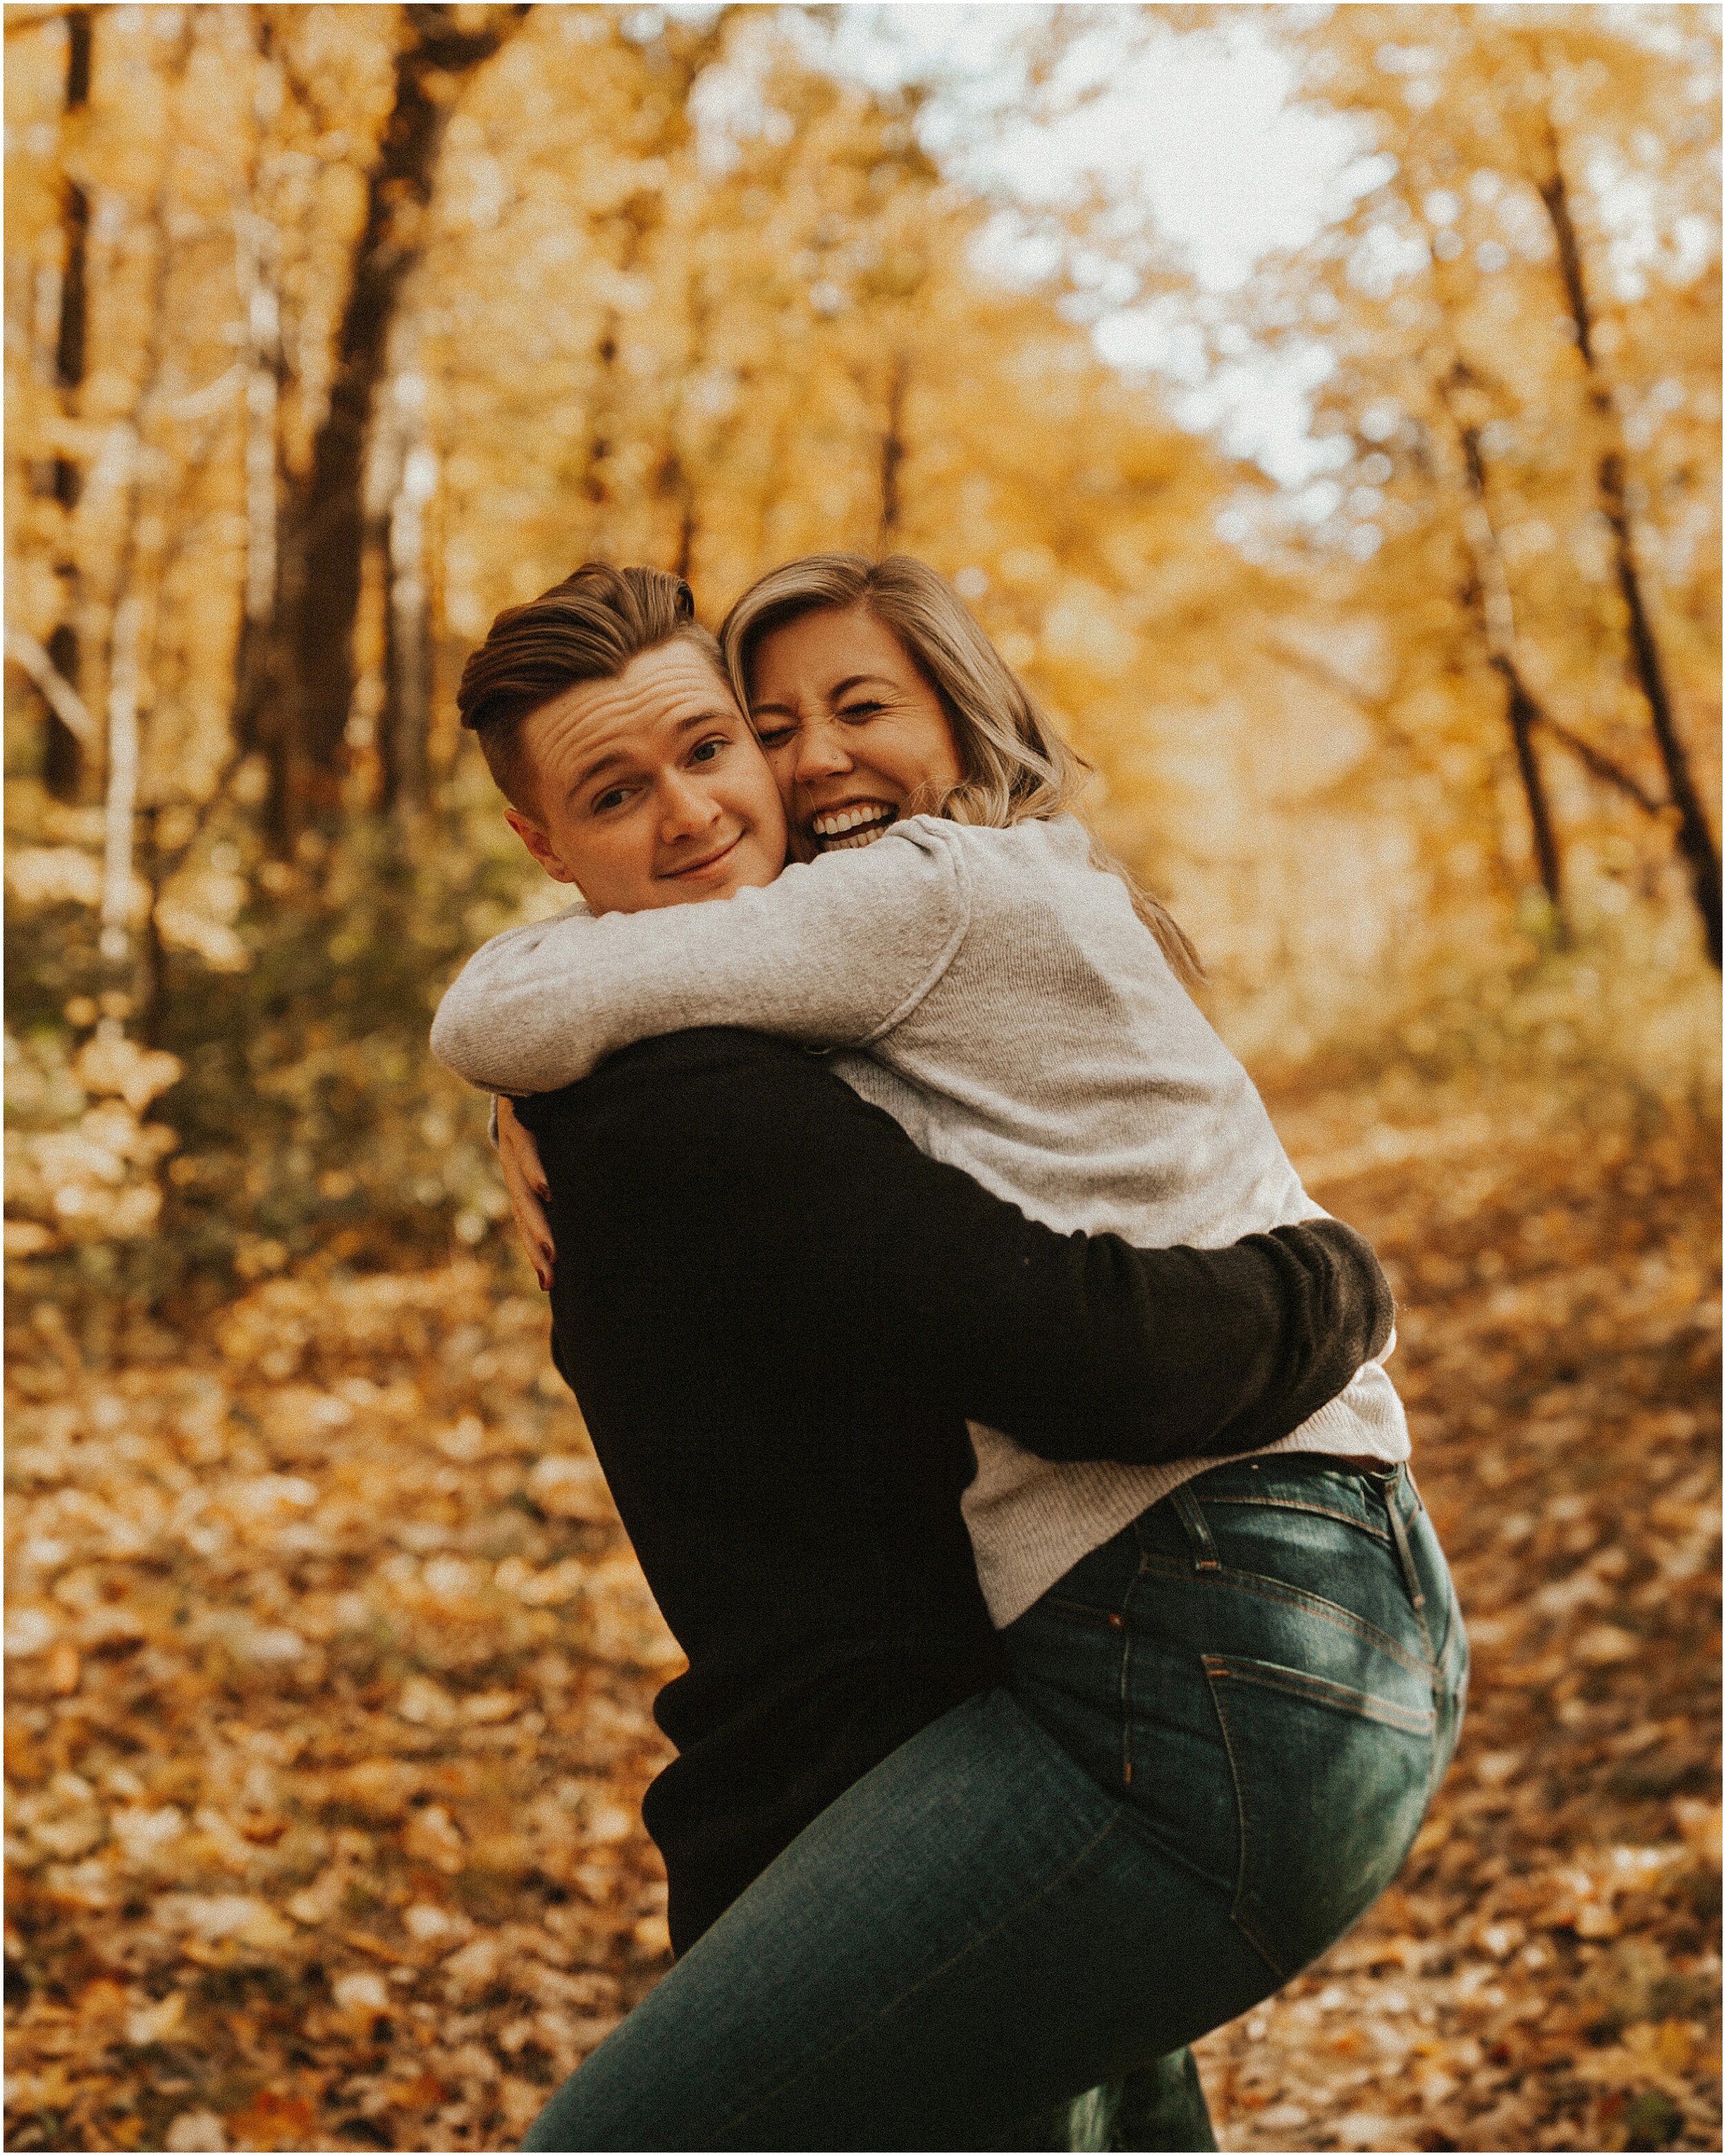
63, 699
1602, 766
1327, 677
31, 18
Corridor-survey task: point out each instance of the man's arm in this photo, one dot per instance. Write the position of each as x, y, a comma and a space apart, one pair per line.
797, 1239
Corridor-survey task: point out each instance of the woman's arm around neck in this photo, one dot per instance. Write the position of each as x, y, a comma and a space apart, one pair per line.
833, 954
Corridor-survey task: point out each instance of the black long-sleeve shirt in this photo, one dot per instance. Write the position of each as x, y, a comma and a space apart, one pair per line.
777, 1315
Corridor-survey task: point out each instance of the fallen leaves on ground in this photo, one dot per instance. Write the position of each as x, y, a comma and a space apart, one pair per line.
330, 1671
327, 1730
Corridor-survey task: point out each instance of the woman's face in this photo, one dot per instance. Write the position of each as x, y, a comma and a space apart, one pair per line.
856, 736
650, 789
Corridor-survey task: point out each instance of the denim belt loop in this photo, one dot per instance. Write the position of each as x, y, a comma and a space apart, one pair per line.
1198, 1537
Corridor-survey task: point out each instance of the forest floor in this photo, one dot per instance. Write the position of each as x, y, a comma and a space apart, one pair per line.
331, 1674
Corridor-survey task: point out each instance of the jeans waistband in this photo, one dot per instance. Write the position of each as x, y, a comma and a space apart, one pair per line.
1374, 1491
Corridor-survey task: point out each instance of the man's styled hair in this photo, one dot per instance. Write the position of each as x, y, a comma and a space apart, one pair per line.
587, 628
1016, 766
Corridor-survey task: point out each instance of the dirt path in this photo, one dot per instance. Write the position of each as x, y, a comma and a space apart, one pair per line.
330, 1674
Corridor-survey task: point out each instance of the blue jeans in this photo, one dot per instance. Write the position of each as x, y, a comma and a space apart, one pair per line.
1220, 1736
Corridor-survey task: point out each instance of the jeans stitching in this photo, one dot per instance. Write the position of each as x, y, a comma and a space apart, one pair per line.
1445, 1657
1413, 1585
1312, 1605
1126, 1614
893, 2005
1325, 1692
1236, 1916
1289, 1505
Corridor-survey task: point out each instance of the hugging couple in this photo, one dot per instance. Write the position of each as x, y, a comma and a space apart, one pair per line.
998, 1424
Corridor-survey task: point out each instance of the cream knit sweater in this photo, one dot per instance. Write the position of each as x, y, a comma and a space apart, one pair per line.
996, 993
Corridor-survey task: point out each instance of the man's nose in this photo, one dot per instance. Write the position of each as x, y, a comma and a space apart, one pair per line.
821, 751
685, 807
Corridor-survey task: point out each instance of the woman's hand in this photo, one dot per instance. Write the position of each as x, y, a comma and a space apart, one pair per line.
525, 1180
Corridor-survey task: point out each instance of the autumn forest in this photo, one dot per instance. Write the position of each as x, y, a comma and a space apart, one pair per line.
331, 330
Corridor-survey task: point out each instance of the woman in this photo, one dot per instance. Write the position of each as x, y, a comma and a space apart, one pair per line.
1010, 1956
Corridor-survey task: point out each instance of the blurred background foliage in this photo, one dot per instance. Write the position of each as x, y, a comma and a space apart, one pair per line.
331, 330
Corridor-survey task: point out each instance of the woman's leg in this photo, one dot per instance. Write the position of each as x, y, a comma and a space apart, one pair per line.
1225, 1728
1186, 1638
973, 1935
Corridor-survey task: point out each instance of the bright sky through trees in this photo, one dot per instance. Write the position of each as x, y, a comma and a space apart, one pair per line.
1190, 138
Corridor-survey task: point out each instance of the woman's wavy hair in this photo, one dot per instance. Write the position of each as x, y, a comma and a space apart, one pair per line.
587, 628
1017, 767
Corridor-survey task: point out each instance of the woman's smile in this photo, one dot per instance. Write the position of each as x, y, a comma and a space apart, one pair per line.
855, 824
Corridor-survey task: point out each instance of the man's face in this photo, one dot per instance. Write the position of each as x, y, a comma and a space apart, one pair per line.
650, 789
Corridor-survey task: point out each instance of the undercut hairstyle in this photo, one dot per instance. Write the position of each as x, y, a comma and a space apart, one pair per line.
587, 628
1016, 767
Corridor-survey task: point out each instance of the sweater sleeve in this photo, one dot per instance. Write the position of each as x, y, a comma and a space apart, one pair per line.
832, 954
804, 1239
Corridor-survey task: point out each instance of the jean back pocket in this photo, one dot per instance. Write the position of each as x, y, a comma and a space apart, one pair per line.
1331, 1783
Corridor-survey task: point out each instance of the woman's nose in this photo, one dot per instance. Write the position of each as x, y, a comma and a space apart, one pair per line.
821, 751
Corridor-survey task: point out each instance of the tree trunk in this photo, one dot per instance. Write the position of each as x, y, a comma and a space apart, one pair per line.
63, 762
262, 712
601, 418
122, 800
675, 483
687, 529
260, 719
407, 699
637, 216
137, 584
1490, 600
1523, 714
1695, 840
671, 483
893, 456
297, 696
62, 752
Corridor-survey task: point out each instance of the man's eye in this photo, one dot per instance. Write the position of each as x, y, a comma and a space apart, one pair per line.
705, 751
613, 799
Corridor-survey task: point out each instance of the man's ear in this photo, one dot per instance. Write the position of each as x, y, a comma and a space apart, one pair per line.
540, 844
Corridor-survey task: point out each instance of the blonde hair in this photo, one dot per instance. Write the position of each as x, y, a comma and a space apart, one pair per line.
1017, 769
